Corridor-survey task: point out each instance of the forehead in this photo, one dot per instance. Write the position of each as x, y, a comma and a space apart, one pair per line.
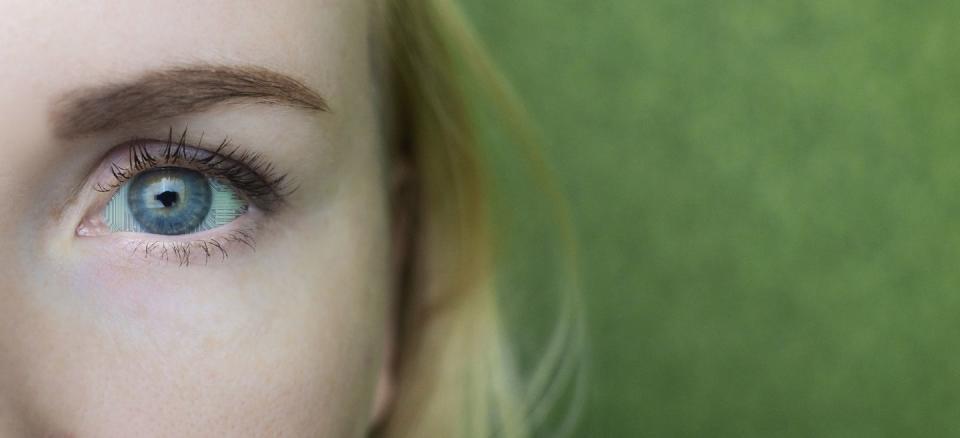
50, 47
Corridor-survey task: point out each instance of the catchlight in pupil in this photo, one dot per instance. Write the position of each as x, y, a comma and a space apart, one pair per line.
172, 201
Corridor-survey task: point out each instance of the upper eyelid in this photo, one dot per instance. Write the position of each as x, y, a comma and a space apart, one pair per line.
258, 179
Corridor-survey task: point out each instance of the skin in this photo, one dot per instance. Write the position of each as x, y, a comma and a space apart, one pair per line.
97, 340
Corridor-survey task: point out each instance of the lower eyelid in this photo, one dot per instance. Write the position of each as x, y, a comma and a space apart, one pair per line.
216, 248
206, 247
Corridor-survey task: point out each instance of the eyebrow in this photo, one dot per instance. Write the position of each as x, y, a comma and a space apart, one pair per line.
161, 94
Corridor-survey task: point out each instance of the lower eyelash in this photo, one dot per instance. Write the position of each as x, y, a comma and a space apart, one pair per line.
183, 251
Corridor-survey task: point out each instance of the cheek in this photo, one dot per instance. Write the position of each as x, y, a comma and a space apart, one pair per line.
285, 339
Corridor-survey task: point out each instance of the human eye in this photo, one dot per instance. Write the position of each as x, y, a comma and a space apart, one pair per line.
172, 200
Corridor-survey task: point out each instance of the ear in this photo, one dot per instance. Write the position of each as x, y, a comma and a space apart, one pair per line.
403, 208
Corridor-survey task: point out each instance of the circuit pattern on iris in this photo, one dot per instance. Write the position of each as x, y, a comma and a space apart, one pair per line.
225, 206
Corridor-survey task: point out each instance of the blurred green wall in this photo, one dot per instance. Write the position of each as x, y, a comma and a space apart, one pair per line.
767, 199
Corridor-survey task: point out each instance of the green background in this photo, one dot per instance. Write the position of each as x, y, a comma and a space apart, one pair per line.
766, 196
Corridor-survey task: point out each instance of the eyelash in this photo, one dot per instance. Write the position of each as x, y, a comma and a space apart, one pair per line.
183, 251
249, 173
246, 171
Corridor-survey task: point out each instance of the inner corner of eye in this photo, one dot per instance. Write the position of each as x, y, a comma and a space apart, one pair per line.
172, 201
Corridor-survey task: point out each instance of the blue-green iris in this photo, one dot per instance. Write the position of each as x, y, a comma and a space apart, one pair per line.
169, 200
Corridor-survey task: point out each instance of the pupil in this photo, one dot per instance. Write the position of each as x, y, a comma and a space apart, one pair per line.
168, 198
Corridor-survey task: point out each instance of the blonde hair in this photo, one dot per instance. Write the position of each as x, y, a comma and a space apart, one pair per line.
456, 375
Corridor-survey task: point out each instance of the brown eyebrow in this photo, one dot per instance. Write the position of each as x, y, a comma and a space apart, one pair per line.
161, 94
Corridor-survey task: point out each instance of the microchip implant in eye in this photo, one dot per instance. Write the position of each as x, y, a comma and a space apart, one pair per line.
225, 206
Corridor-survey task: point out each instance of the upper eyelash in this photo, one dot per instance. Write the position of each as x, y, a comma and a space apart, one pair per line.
247, 171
